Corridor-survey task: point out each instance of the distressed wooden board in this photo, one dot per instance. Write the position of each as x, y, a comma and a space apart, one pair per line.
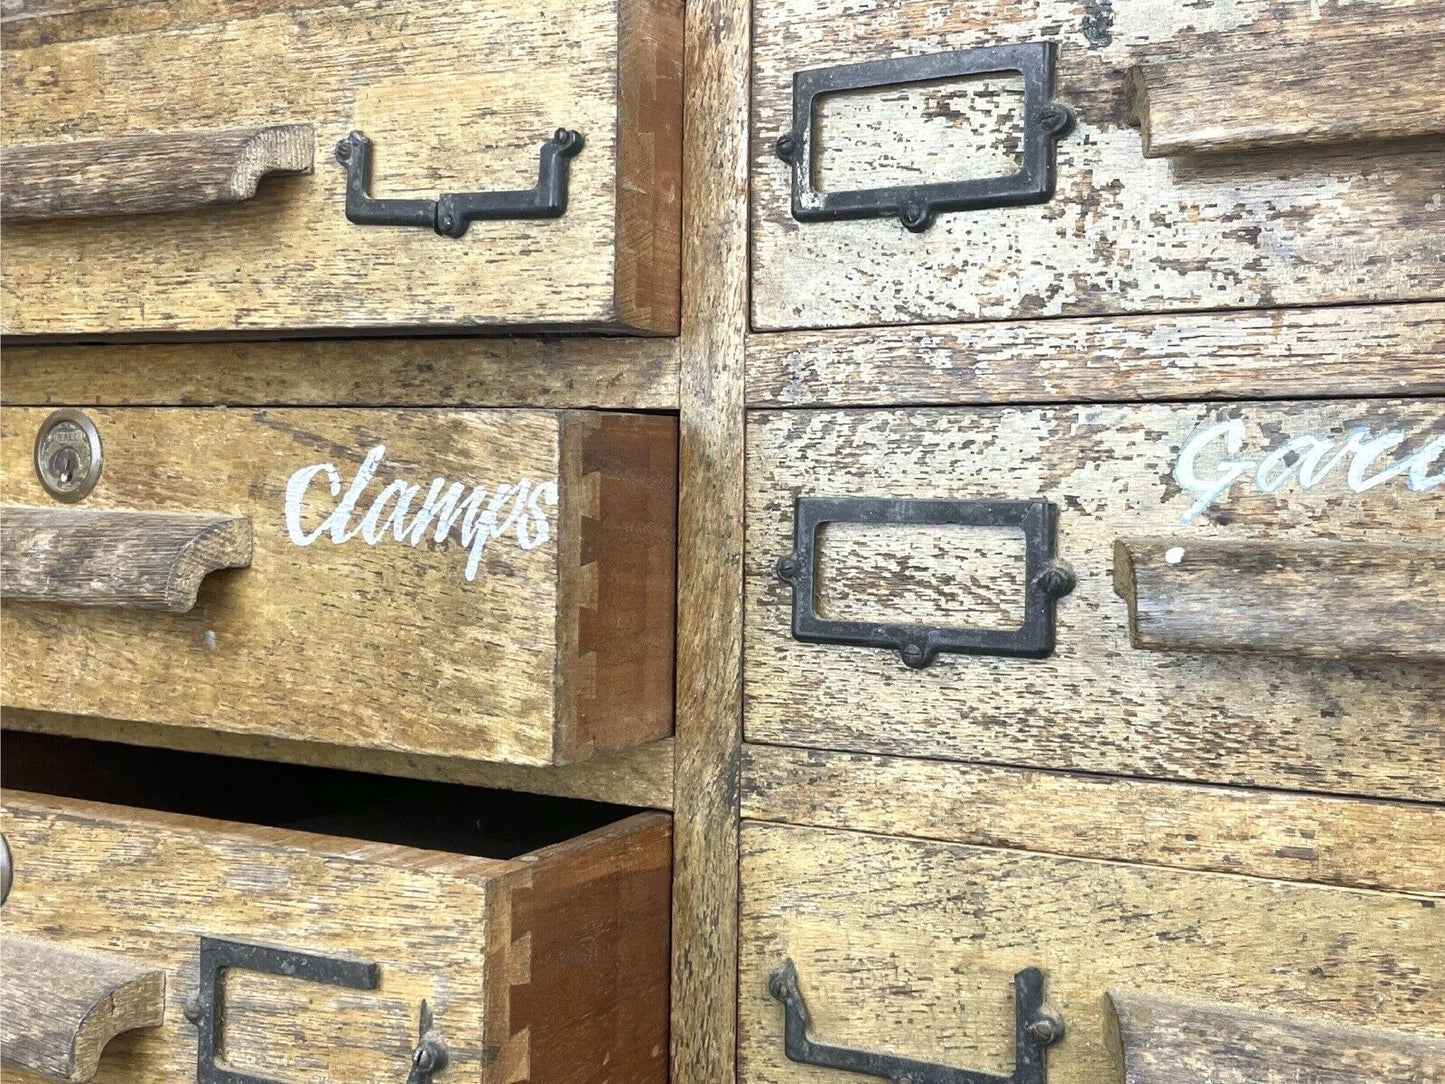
1097, 704
910, 946
1325, 600
637, 374
1381, 88
1357, 350
1164, 1040
641, 776
1398, 846
440, 122
1123, 234
463, 933
550, 653
62, 1006
148, 174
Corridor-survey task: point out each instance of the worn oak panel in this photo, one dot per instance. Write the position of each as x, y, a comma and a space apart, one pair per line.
1097, 704
1124, 233
910, 947
479, 940
1354, 350
405, 74
502, 587
1354, 842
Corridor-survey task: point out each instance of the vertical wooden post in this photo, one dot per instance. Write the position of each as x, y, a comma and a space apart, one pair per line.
710, 528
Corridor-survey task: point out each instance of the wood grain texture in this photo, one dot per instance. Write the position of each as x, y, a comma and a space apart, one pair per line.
93, 557
383, 644
1352, 842
640, 777
442, 927
148, 173
1250, 98
60, 1007
1097, 705
1165, 1040
633, 374
1294, 353
710, 521
406, 76
1123, 233
910, 946
1322, 600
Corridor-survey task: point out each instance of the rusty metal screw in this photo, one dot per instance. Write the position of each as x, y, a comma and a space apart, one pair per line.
1054, 117
787, 567
343, 150
1056, 581
914, 213
786, 147
192, 1009
1045, 1030
913, 654
429, 1056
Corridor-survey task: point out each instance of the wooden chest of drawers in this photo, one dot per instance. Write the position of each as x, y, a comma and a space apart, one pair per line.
531, 153
493, 585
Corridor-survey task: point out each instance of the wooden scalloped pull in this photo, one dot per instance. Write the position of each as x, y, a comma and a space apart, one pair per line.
101, 557
59, 1007
149, 173
1257, 97
1167, 1040
1324, 600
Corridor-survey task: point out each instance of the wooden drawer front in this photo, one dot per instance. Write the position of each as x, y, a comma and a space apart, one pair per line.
910, 948
1283, 635
546, 967
530, 624
455, 98
1263, 179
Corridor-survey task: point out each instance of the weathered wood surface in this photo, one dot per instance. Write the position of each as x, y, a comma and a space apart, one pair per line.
1251, 98
470, 936
1097, 705
1323, 600
1166, 1040
405, 75
641, 776
558, 646
95, 557
148, 173
1294, 353
1123, 233
634, 374
910, 946
1353, 842
710, 576
59, 1007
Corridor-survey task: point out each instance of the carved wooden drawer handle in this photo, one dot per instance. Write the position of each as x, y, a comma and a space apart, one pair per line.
1254, 98
1326, 600
99, 557
1166, 1040
59, 1007
149, 173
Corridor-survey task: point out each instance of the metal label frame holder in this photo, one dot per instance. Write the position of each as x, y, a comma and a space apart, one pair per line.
1045, 121
1045, 579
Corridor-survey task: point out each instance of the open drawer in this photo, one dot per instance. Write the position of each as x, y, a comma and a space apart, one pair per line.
492, 585
314, 167
144, 946
1246, 593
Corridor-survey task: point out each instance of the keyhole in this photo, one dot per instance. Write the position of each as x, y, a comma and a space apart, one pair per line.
64, 464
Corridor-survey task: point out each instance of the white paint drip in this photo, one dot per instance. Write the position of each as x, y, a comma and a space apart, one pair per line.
1304, 461
519, 507
1174, 555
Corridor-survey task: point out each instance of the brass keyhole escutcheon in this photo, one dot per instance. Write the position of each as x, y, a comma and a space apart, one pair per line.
68, 455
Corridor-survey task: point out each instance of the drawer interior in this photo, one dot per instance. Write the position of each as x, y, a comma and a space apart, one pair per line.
410, 813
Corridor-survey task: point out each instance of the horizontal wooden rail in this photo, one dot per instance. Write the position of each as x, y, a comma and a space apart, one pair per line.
100, 557
1328, 600
149, 173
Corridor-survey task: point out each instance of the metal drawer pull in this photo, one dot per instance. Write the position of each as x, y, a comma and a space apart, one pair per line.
451, 214
1045, 579
1034, 1031
206, 1010
1045, 122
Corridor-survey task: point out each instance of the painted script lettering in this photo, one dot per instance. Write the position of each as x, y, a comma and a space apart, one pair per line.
1212, 461
449, 511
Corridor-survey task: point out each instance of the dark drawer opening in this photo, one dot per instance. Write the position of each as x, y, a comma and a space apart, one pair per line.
412, 813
